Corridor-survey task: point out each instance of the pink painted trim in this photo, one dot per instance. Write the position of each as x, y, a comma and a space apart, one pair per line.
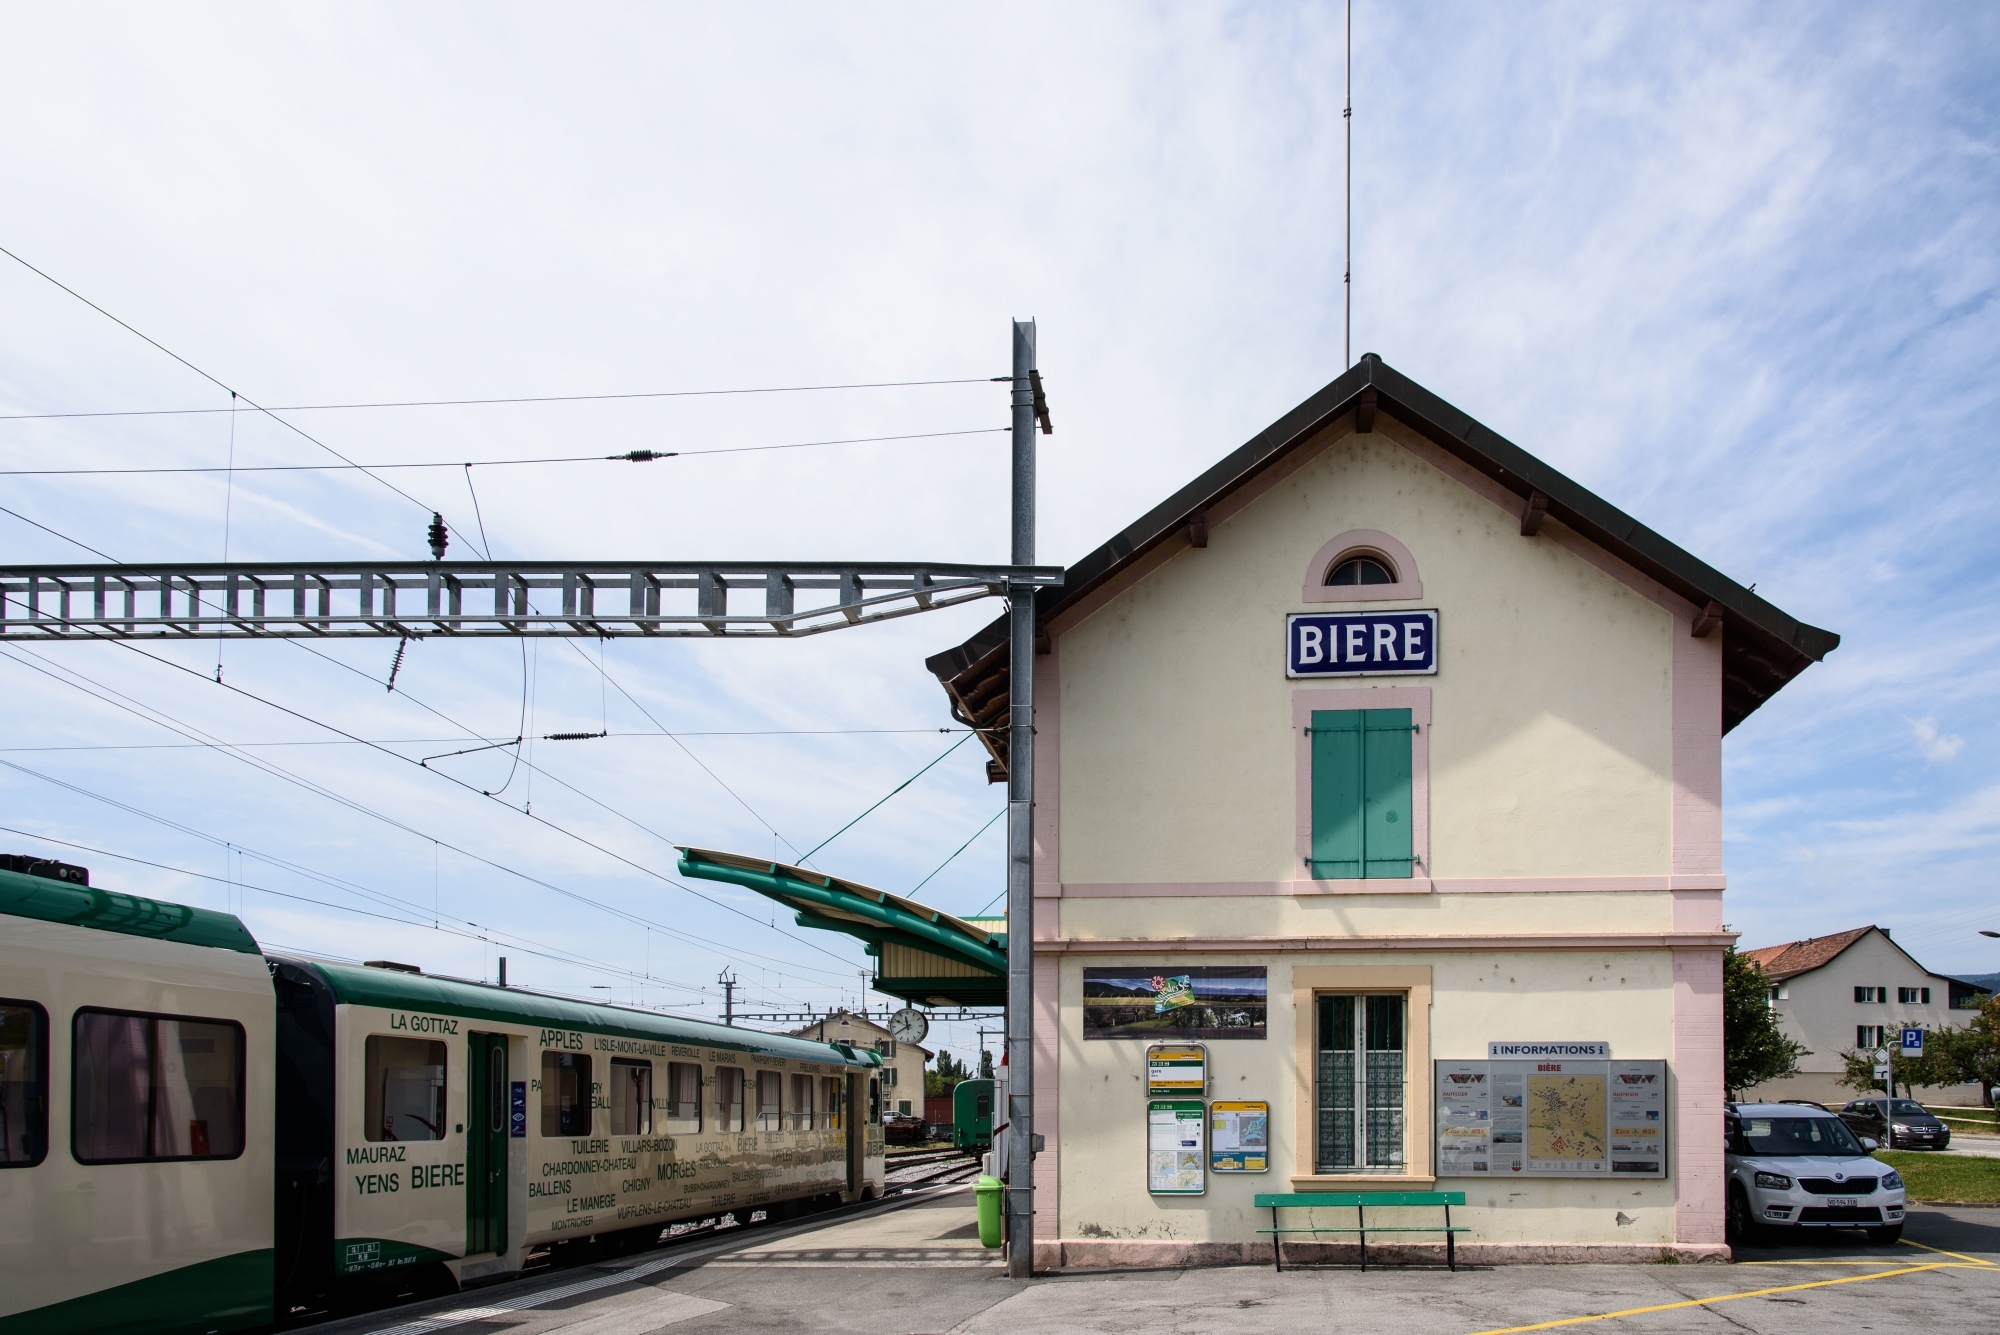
1697, 751
1696, 1136
1361, 542
1416, 699
1294, 945
1697, 910
1494, 885
1047, 818
1048, 1097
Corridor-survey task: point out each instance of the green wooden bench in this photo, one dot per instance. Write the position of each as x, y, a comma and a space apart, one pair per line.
1359, 1202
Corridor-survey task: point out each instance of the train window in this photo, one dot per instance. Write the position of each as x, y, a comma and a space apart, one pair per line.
684, 1097
770, 1115
874, 1100
565, 1094
802, 1103
24, 1084
631, 1097
155, 1087
729, 1098
830, 1098
403, 1087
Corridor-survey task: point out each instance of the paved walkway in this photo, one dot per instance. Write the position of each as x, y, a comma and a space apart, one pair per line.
917, 1269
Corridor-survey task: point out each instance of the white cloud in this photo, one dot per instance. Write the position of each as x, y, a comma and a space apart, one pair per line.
1937, 748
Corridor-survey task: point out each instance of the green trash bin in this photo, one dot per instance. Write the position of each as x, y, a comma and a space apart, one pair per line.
986, 1192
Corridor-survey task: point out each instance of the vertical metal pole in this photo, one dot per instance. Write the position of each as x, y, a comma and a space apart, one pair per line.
1020, 830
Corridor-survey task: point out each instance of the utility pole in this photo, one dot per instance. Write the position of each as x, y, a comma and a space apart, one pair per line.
1020, 1022
728, 982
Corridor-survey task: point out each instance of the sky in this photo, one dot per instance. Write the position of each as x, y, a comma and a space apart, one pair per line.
1733, 269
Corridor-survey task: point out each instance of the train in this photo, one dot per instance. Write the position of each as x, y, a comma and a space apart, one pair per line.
972, 1116
200, 1136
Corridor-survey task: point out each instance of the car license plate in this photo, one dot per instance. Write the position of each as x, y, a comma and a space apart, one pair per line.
1843, 1202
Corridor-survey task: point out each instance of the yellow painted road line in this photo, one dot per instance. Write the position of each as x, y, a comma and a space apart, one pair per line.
1883, 1261
1704, 1302
1942, 1252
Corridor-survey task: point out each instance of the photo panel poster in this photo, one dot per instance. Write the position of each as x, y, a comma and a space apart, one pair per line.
1174, 1002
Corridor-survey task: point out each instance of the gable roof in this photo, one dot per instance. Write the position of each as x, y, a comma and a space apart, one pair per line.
1796, 957
1763, 648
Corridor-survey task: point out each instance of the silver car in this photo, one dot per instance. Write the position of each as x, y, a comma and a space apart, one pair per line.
1794, 1166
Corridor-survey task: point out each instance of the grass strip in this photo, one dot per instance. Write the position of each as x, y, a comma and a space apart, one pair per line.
1946, 1179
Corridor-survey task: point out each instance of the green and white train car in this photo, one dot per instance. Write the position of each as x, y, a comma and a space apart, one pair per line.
195, 1137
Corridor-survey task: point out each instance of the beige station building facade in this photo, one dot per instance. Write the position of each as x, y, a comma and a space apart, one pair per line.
1502, 827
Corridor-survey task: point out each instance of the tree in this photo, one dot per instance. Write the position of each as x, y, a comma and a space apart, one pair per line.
1754, 1049
1938, 1066
1976, 1049
985, 1064
950, 1070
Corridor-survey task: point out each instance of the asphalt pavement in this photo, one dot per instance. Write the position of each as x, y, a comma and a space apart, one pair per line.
916, 1268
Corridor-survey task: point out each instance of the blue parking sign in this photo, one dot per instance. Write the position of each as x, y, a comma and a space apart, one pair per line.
1913, 1042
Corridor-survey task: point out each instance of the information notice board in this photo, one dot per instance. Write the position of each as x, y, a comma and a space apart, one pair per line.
1176, 1161
1568, 1118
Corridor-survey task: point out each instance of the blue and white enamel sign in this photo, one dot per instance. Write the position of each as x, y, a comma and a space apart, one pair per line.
1913, 1042
1361, 644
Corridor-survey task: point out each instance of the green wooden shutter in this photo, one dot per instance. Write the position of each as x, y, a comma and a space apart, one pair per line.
1361, 794
1337, 794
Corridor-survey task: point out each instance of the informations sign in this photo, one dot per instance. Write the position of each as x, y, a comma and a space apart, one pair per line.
1175, 1163
1239, 1137
1561, 1118
1176, 1068
1361, 644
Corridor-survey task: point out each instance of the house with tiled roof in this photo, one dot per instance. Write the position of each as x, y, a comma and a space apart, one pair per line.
1854, 989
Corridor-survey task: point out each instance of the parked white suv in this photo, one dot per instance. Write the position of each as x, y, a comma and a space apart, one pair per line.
1795, 1166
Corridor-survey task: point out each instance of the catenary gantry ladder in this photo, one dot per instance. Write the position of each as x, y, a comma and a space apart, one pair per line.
473, 599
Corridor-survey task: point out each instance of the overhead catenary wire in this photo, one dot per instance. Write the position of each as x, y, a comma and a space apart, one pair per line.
547, 737
467, 403
189, 731
290, 426
632, 456
886, 796
960, 849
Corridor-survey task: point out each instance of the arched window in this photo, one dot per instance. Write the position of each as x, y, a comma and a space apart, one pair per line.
1362, 565
1362, 569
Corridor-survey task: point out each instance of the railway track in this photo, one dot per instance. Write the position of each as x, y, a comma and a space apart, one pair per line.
931, 1168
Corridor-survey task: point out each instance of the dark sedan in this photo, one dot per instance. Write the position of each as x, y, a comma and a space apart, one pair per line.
1915, 1129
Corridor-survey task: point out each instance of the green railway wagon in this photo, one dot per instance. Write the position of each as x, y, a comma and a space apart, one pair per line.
972, 1116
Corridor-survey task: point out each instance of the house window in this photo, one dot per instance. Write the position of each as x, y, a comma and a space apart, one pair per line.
565, 1094
1362, 570
1871, 994
1869, 1035
403, 1090
1920, 996
1361, 794
1358, 1084
631, 1097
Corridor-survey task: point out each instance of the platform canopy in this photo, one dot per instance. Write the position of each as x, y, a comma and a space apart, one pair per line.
922, 955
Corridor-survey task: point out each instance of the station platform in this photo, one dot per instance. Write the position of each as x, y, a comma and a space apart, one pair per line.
914, 1267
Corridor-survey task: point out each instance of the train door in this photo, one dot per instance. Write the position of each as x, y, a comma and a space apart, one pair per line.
486, 1145
857, 1135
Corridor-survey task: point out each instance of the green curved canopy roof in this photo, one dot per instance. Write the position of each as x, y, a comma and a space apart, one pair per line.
922, 954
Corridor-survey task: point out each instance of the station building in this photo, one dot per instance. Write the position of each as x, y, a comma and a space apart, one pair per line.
1383, 762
